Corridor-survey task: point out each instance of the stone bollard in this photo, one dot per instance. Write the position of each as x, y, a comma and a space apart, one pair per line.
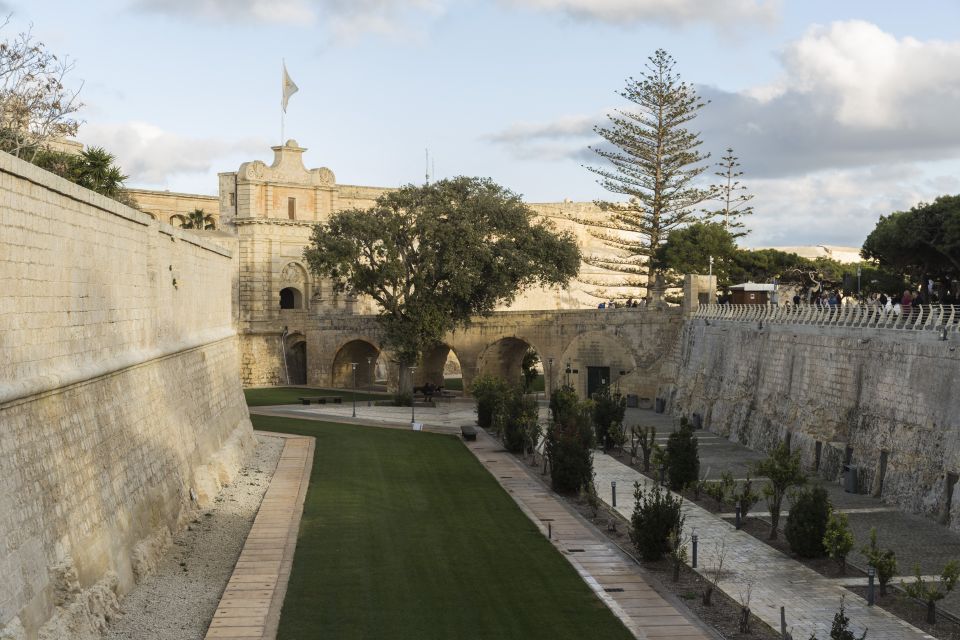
613, 492
736, 522
871, 597
693, 551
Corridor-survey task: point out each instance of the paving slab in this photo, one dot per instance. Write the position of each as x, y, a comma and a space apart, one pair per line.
772, 579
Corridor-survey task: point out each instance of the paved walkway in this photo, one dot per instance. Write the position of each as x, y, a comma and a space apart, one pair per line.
915, 539
250, 605
774, 579
614, 577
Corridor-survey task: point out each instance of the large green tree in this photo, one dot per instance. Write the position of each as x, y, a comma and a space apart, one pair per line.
432, 256
921, 243
653, 160
688, 250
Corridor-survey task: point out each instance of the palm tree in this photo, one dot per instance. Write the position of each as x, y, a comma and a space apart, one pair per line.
199, 220
94, 169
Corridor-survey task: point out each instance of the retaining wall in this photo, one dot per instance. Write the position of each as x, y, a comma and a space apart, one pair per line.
120, 400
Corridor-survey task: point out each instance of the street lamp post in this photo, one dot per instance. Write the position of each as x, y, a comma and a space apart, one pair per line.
370, 387
353, 365
413, 401
568, 373
550, 377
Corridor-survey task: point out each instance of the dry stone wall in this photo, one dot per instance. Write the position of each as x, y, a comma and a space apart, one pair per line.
120, 400
883, 399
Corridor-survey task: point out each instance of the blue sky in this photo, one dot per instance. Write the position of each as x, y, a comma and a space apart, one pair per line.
839, 111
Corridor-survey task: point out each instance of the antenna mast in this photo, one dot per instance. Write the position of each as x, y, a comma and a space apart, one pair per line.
426, 155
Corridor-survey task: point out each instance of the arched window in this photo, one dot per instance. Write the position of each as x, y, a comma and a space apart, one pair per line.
291, 298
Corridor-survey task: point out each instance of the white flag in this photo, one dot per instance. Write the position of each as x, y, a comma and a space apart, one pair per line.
289, 88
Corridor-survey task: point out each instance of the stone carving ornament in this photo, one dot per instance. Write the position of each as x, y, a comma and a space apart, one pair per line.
292, 272
255, 170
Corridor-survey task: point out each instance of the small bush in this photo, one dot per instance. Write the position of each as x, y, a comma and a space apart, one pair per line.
883, 561
783, 470
514, 415
656, 513
838, 540
608, 411
682, 457
569, 442
807, 522
840, 630
489, 392
931, 593
403, 399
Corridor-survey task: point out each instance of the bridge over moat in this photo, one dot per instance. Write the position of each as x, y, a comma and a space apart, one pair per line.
632, 341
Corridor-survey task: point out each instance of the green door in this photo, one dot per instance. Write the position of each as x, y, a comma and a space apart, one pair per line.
597, 377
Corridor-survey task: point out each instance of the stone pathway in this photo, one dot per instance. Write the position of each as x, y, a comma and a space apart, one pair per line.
773, 579
614, 577
915, 539
250, 605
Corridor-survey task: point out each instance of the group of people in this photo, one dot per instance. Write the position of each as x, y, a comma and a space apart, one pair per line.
629, 304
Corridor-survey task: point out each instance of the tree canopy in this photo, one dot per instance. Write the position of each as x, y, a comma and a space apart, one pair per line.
654, 161
432, 256
922, 243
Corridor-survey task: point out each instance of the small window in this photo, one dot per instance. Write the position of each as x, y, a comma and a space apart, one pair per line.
233, 199
291, 298
292, 208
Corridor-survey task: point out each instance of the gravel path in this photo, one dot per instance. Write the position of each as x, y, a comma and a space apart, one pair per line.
178, 600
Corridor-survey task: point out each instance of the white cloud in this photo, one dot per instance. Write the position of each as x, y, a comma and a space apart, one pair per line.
849, 95
153, 156
344, 18
670, 12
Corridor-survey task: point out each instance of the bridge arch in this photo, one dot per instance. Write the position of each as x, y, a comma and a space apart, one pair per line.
365, 353
595, 358
433, 363
503, 358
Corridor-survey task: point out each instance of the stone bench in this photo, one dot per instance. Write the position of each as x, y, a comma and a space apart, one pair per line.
469, 432
322, 400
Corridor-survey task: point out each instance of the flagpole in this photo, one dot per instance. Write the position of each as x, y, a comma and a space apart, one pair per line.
283, 66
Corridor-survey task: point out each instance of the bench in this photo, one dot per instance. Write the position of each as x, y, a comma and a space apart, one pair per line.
469, 432
322, 400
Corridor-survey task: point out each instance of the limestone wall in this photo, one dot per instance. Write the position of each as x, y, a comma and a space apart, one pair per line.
120, 399
872, 390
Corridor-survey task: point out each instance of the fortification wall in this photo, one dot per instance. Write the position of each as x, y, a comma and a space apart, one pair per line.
120, 399
887, 395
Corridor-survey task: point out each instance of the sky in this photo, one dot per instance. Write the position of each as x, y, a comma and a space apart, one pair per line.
839, 112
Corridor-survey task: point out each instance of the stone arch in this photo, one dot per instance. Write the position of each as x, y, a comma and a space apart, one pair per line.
596, 352
293, 275
360, 350
503, 357
291, 298
432, 364
295, 354
177, 220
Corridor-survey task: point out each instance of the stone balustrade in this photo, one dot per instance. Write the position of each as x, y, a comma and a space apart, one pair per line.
944, 318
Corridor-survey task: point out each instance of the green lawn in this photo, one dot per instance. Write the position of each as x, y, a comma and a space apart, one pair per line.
289, 395
406, 535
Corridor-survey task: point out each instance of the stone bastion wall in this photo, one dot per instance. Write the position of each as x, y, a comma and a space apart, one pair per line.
883, 399
121, 407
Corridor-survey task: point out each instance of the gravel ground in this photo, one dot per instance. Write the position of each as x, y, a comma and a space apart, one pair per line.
178, 600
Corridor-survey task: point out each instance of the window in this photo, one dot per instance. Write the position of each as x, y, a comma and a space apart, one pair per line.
292, 208
233, 199
291, 298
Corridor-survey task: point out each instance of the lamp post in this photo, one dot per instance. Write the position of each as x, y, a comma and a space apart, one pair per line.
568, 373
413, 402
353, 365
550, 377
370, 387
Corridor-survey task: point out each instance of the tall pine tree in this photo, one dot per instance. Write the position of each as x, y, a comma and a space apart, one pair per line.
654, 162
732, 196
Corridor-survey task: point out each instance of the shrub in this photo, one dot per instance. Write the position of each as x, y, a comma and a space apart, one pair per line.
838, 540
656, 513
646, 438
529, 367
883, 561
403, 399
682, 458
745, 496
840, 630
807, 522
569, 442
608, 411
783, 471
931, 593
488, 392
513, 417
